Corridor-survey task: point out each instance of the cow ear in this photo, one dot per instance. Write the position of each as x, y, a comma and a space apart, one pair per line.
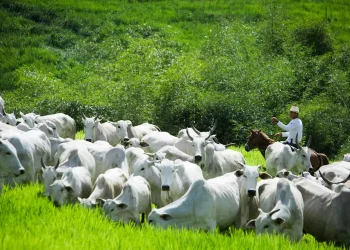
251, 224
21, 114
144, 144
265, 176
128, 122
122, 205
69, 189
166, 217
97, 120
100, 201
279, 221
239, 172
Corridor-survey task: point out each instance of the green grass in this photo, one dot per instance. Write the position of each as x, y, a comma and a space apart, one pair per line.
29, 221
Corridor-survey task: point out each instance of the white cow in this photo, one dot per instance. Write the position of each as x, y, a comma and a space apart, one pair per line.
217, 163
171, 153
132, 155
75, 182
135, 199
279, 156
326, 212
95, 131
284, 173
107, 186
73, 154
146, 168
49, 176
9, 163
9, 119
29, 119
65, 125
332, 181
247, 179
31, 147
283, 206
116, 158
341, 169
155, 140
206, 205
132, 142
176, 178
54, 144
125, 130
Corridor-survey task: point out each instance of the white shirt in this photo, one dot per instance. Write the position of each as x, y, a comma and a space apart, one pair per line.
293, 128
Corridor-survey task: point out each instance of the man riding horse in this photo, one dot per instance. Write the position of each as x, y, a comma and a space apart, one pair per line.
294, 127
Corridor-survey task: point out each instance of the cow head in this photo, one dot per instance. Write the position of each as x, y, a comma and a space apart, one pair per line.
29, 119
9, 163
49, 176
123, 130
269, 223
61, 193
302, 156
90, 126
249, 179
168, 173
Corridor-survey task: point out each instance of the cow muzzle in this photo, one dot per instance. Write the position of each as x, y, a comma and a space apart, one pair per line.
251, 192
197, 158
89, 140
165, 188
126, 139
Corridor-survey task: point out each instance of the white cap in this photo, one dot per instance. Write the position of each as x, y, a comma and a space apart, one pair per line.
294, 109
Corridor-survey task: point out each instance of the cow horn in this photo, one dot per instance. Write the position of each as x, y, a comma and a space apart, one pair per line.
302, 174
188, 134
333, 183
195, 130
297, 142
43, 164
57, 164
273, 212
309, 141
96, 116
3, 112
212, 130
82, 115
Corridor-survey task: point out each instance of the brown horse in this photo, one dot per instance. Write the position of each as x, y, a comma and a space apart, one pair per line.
258, 139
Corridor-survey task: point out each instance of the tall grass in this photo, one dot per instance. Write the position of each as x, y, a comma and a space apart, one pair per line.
30, 221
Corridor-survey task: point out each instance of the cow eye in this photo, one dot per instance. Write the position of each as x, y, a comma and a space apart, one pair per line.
93, 126
8, 153
244, 176
157, 159
142, 169
54, 178
266, 226
172, 171
62, 190
7, 123
118, 126
112, 209
304, 156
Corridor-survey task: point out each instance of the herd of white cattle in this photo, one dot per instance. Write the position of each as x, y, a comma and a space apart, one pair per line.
194, 181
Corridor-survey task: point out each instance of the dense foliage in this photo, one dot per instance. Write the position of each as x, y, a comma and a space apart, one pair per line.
175, 63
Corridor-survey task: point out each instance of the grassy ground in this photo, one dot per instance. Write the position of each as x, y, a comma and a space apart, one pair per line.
29, 221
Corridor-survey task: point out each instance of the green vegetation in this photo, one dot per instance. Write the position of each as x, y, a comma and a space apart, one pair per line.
29, 221
175, 63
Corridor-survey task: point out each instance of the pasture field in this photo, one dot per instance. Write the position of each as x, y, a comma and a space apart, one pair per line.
29, 221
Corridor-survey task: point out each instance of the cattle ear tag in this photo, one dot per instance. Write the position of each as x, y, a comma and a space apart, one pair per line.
166, 217
279, 221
